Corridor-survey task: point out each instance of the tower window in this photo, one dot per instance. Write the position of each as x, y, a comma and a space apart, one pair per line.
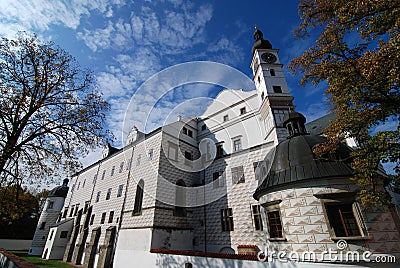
42, 225
242, 110
277, 89
274, 224
218, 179
220, 150
272, 72
138, 198
180, 199
342, 219
227, 219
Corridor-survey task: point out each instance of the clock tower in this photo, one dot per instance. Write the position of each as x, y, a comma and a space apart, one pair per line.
274, 96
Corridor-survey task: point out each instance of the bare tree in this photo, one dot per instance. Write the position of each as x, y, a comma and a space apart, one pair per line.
50, 112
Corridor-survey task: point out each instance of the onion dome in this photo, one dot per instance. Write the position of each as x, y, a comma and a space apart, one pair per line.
260, 43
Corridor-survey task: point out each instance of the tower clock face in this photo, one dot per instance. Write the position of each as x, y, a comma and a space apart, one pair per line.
268, 57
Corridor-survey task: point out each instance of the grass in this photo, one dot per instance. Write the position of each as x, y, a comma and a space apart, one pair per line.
39, 262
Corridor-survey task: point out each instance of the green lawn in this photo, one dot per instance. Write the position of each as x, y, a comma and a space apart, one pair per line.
39, 262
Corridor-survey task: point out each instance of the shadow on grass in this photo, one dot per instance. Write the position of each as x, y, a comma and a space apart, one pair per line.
39, 262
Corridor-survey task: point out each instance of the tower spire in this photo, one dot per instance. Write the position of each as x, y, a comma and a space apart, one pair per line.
260, 43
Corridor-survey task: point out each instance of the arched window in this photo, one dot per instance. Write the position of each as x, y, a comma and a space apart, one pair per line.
138, 198
180, 199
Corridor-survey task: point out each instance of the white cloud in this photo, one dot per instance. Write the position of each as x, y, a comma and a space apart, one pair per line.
40, 15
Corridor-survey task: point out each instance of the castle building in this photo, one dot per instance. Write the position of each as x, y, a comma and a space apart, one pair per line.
239, 179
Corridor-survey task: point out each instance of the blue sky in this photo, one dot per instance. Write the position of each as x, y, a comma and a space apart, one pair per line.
125, 43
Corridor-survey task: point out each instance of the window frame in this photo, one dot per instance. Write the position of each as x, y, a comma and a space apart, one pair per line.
342, 199
227, 223
256, 216
270, 207
237, 174
237, 144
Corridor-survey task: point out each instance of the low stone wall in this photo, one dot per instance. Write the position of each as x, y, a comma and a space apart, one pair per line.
14, 244
9, 260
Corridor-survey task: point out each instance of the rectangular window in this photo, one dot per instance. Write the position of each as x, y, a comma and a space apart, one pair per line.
190, 133
342, 220
112, 171
220, 150
274, 224
120, 190
83, 184
188, 158
104, 174
42, 225
65, 213
173, 151
227, 219
255, 209
129, 164
94, 178
71, 212
184, 130
103, 218
139, 158
63, 234
203, 127
108, 193
237, 145
76, 209
111, 217
51, 205
121, 167
85, 209
277, 89
150, 154
79, 184
98, 197
92, 219
272, 72
237, 175
242, 110
226, 118
218, 179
